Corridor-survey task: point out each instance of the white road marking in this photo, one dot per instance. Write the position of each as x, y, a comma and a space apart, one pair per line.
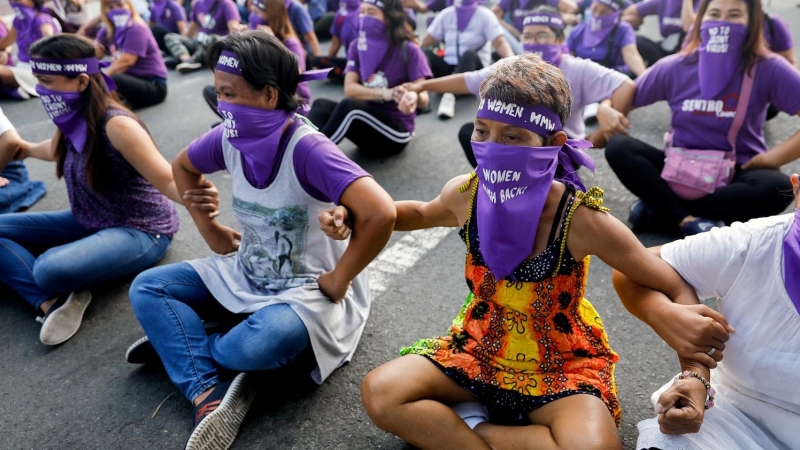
401, 256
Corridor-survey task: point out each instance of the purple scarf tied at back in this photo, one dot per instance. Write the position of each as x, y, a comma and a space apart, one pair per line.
465, 9
515, 182
598, 29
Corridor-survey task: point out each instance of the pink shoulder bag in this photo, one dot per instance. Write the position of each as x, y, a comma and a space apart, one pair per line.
692, 174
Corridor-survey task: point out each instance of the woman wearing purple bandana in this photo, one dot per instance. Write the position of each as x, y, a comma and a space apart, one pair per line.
606, 40
121, 218
167, 16
344, 30
137, 67
702, 85
289, 295
301, 21
526, 349
210, 20
512, 12
30, 24
378, 113
753, 271
468, 33
670, 24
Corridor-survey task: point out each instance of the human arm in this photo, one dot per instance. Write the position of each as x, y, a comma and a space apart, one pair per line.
10, 147
355, 90
448, 209
46, 150
428, 41
502, 46
373, 215
415, 5
632, 58
90, 24
9, 39
407, 100
122, 63
498, 10
313, 43
194, 28
783, 153
182, 27
454, 84
611, 120
336, 44
687, 14
568, 7
631, 15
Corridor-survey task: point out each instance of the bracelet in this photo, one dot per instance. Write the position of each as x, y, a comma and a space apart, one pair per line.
709, 390
380, 94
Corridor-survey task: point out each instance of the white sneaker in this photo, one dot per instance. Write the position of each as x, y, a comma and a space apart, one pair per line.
188, 66
447, 106
64, 318
590, 111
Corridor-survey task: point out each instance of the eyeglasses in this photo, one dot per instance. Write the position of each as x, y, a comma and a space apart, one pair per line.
541, 37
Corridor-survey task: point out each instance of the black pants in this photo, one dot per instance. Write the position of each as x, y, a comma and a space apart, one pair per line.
468, 62
322, 26
465, 138
323, 62
752, 193
650, 50
159, 32
367, 125
139, 92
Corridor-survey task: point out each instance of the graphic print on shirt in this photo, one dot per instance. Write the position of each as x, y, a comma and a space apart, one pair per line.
271, 255
724, 108
377, 80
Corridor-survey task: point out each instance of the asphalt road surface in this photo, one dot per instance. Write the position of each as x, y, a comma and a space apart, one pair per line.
84, 395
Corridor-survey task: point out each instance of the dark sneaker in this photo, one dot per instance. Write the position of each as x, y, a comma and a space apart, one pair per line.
641, 215
700, 225
142, 352
218, 417
64, 318
210, 96
171, 62
188, 67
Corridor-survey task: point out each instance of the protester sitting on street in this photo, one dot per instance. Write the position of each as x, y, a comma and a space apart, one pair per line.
718, 89
467, 32
543, 34
607, 40
669, 22
6, 58
753, 269
121, 219
511, 13
527, 349
71, 15
301, 22
274, 12
378, 113
210, 20
30, 24
137, 67
167, 16
290, 292
17, 193
344, 30
322, 15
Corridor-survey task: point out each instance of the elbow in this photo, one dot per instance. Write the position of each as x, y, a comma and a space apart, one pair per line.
380, 220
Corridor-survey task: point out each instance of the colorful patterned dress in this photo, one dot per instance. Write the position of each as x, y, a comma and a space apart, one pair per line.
531, 338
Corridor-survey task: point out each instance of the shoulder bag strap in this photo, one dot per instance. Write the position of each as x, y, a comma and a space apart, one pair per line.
741, 106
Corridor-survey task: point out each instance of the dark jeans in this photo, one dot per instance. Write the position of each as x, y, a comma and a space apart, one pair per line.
159, 32
650, 50
323, 62
468, 62
464, 138
364, 123
322, 26
140, 92
752, 193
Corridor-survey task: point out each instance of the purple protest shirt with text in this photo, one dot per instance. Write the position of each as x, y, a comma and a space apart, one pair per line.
213, 16
138, 41
520, 8
703, 123
30, 31
167, 14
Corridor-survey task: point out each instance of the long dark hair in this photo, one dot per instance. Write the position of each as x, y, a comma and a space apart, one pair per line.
97, 100
279, 19
265, 61
397, 26
754, 48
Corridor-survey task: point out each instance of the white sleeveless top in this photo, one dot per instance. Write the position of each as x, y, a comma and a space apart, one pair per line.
282, 253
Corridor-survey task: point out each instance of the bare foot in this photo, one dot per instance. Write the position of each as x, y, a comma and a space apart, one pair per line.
3, 182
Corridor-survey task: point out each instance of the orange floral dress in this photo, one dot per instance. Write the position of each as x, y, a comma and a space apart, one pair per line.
531, 338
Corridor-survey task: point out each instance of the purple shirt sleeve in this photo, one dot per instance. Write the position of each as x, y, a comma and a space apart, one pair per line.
102, 38
436, 28
597, 82
780, 39
505, 5
178, 13
230, 12
136, 40
436, 5
648, 8
626, 36
301, 20
784, 86
654, 84
323, 170
352, 58
205, 153
474, 79
417, 63
294, 46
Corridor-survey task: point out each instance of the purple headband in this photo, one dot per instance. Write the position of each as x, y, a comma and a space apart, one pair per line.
610, 3
551, 20
72, 67
376, 3
537, 119
229, 62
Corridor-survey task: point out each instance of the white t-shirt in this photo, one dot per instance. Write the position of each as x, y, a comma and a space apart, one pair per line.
758, 403
5, 124
589, 82
482, 29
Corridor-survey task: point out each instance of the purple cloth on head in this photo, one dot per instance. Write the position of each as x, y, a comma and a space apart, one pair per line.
29, 31
625, 36
216, 23
294, 45
520, 8
130, 200
703, 123
392, 73
780, 39
138, 41
323, 170
167, 13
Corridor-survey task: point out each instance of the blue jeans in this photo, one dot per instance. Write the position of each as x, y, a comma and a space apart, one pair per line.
44, 254
171, 301
20, 194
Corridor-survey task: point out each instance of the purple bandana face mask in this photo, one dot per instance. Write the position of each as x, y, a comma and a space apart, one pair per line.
551, 53
720, 55
599, 29
372, 45
791, 261
465, 9
515, 181
65, 109
121, 18
349, 6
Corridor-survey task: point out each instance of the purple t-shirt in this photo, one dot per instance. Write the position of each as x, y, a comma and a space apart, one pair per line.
301, 22
138, 41
703, 123
214, 20
669, 14
520, 8
345, 27
392, 72
323, 170
29, 32
169, 16
130, 200
779, 37
294, 46
625, 36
